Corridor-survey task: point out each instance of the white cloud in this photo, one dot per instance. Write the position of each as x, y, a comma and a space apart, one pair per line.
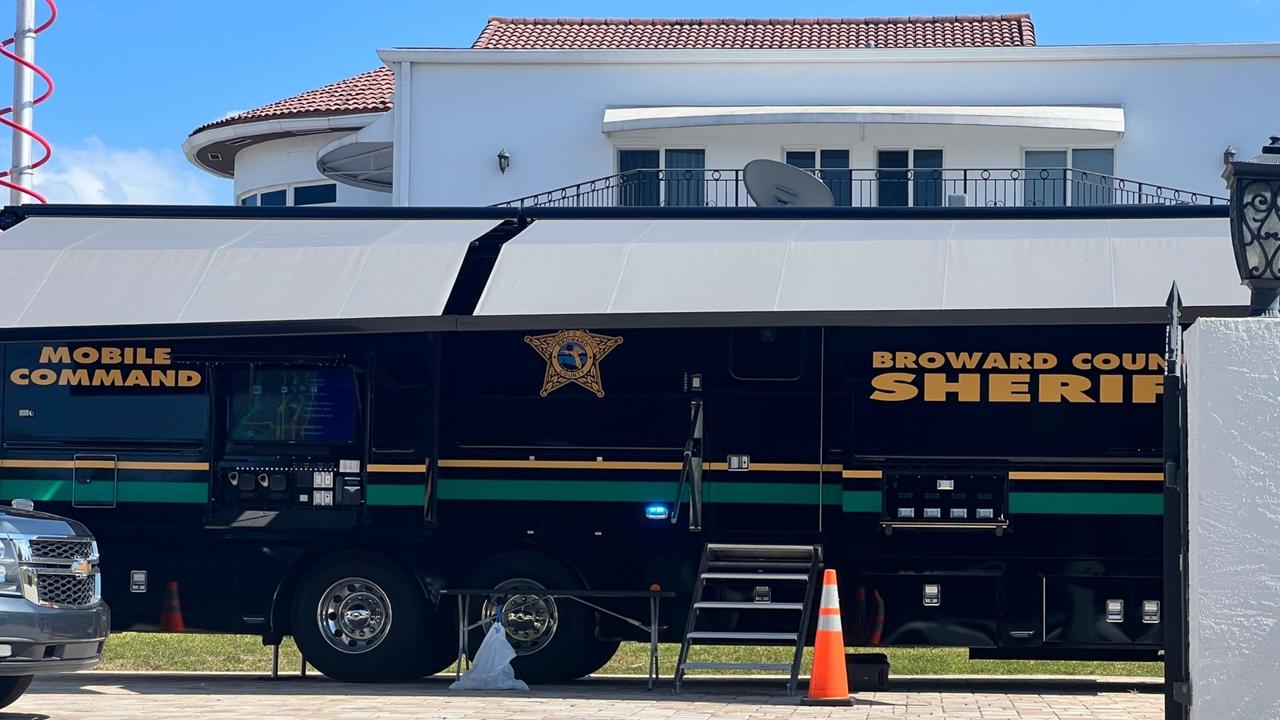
94, 172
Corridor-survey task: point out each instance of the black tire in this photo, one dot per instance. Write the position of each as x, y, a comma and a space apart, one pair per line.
11, 688
568, 652
599, 655
399, 647
440, 643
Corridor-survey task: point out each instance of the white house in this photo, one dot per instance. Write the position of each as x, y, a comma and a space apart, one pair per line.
910, 111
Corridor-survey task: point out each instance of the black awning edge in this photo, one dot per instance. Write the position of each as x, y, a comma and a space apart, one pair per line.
12, 215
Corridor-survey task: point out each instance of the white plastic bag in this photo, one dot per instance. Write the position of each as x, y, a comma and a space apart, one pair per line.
491, 669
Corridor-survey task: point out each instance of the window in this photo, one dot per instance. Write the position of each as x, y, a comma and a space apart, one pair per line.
302, 195
274, 198
832, 168
639, 183
682, 183
686, 182
927, 182
1046, 182
315, 194
401, 416
767, 353
92, 403
904, 173
1090, 183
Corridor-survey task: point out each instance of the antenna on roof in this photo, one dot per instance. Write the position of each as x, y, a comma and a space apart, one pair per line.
774, 184
19, 177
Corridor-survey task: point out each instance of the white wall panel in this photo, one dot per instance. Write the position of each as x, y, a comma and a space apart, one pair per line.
1180, 113
1234, 478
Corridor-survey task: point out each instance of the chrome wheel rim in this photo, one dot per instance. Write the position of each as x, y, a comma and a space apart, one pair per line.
529, 618
354, 615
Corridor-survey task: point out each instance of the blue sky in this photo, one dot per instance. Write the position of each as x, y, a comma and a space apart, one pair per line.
134, 77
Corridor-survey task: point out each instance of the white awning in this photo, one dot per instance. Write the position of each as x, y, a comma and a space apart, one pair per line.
364, 158
61, 272
655, 266
1100, 118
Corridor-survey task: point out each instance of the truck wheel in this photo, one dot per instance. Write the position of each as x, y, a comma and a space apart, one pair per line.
441, 641
359, 618
601, 652
11, 688
552, 638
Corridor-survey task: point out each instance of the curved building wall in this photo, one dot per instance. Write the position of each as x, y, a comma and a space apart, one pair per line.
291, 162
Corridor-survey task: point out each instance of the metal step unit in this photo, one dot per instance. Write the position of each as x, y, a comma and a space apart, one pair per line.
745, 579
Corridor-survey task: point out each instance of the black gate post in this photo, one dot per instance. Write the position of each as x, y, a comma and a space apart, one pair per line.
1177, 675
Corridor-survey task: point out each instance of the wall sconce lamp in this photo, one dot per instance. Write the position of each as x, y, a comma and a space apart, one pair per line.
504, 161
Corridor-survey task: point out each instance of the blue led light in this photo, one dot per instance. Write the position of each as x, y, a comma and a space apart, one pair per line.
656, 512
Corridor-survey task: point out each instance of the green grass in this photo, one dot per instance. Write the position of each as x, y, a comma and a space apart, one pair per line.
209, 653
631, 659
147, 651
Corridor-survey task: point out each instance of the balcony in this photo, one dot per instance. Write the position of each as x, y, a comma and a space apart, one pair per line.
907, 187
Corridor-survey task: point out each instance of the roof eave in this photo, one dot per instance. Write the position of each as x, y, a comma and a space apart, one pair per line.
465, 56
202, 140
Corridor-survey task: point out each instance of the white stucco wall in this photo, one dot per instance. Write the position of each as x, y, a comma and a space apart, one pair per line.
1234, 478
292, 160
1183, 107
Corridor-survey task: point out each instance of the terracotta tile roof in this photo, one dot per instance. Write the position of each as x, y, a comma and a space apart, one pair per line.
365, 93
907, 32
371, 91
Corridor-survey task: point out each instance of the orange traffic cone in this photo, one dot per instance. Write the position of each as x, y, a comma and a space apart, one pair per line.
171, 617
829, 680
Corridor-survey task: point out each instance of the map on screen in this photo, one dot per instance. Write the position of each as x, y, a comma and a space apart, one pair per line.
295, 406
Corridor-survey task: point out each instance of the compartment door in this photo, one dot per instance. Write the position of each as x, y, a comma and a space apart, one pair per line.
763, 445
933, 609
1100, 610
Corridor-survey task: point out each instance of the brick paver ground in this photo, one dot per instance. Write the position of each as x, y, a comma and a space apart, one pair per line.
115, 696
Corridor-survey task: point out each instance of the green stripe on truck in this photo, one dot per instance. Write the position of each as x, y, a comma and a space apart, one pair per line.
140, 491
395, 495
640, 491
1071, 503
379, 494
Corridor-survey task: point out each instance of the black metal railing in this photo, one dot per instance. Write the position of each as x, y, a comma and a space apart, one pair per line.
855, 187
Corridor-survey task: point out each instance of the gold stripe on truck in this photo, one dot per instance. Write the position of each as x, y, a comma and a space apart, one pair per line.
393, 468
778, 467
562, 464
103, 464
1085, 475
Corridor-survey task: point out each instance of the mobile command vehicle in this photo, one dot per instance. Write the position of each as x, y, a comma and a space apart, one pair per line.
314, 420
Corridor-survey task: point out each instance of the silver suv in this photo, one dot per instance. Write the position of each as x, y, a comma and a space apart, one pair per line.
52, 618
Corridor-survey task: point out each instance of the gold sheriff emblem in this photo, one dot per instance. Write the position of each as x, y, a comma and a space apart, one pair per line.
573, 356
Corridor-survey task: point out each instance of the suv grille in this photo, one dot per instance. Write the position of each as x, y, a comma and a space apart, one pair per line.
66, 590
68, 549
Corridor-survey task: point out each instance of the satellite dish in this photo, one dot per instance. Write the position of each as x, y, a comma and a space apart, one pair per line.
774, 184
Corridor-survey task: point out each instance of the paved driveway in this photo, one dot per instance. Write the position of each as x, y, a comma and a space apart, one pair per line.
112, 696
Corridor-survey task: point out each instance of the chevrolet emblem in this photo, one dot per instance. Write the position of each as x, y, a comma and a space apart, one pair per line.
81, 567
